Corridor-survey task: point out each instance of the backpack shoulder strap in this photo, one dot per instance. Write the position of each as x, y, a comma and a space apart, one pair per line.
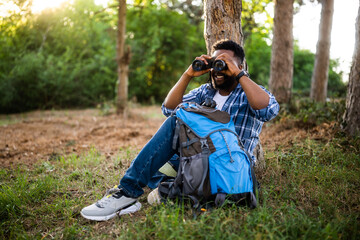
176, 135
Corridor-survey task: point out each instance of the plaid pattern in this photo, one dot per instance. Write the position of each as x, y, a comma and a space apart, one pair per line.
248, 122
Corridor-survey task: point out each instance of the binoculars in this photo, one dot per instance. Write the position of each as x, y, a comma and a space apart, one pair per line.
217, 65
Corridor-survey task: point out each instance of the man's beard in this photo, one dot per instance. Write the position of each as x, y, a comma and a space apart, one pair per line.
227, 84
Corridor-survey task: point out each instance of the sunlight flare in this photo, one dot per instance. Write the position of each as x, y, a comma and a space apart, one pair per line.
40, 5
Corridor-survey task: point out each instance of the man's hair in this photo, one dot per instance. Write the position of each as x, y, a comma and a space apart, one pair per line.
230, 45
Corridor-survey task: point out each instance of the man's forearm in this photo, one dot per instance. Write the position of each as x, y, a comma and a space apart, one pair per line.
176, 94
257, 97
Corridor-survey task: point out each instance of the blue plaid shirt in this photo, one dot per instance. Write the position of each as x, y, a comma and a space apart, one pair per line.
248, 122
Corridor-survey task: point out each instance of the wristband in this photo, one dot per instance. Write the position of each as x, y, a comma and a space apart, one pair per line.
242, 73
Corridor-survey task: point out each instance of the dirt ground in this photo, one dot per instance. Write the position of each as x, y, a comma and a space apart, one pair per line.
42, 135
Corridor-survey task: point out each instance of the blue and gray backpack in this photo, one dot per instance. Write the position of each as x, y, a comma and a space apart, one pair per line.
213, 163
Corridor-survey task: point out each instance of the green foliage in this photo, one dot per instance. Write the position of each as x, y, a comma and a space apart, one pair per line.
316, 113
312, 113
163, 44
193, 9
252, 9
270, 222
16, 196
256, 36
65, 57
303, 68
258, 57
336, 87
56, 59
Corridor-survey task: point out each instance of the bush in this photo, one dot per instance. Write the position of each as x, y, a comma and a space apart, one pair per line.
163, 44
313, 113
57, 59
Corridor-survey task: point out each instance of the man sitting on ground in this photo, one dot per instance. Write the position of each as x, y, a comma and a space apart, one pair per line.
248, 104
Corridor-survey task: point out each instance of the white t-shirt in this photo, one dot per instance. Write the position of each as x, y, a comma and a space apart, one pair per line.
220, 100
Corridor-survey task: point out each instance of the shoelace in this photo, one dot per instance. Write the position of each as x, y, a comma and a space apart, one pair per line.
106, 199
112, 191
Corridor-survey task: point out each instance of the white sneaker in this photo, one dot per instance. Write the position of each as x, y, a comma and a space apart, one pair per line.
107, 207
133, 208
154, 198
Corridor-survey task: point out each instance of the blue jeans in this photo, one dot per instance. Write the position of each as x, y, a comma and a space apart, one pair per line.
144, 168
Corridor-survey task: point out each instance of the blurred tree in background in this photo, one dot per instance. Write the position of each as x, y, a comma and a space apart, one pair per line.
66, 57
163, 44
252, 9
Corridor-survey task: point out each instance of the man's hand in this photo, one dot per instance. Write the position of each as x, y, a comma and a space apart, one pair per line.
233, 68
175, 95
190, 72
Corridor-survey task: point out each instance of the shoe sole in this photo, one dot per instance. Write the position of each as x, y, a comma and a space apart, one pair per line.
97, 218
107, 217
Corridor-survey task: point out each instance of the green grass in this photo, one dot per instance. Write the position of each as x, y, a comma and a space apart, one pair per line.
7, 120
308, 191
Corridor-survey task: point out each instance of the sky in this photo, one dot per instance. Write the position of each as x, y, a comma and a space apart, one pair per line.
306, 30
306, 27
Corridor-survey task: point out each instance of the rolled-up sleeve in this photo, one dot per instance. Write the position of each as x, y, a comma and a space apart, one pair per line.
166, 111
195, 95
269, 112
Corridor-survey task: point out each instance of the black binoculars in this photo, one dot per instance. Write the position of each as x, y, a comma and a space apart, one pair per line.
217, 65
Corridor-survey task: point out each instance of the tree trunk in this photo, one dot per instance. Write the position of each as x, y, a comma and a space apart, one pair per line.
222, 21
282, 60
320, 74
352, 112
123, 60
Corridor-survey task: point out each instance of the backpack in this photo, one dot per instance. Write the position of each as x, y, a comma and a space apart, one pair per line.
213, 163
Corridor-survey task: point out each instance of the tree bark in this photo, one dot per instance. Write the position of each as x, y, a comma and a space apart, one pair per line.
282, 60
123, 60
319, 80
222, 21
352, 112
